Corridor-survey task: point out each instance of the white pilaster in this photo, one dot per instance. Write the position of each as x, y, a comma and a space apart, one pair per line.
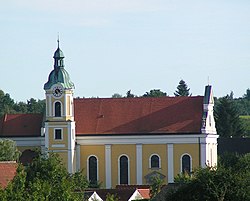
50, 106
46, 136
170, 163
78, 157
139, 164
203, 155
108, 165
71, 147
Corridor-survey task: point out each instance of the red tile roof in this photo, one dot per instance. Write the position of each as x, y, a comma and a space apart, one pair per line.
21, 125
7, 172
138, 115
119, 116
145, 193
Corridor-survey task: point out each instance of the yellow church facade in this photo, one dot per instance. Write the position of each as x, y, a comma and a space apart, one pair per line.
118, 140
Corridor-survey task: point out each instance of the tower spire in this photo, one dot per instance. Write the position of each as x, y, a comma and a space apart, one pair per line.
58, 39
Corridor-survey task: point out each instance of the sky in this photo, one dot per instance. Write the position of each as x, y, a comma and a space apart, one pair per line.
112, 46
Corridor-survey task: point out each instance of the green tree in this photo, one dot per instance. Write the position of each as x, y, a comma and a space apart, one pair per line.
129, 94
6, 103
155, 93
21, 107
228, 123
182, 89
111, 197
46, 179
155, 187
35, 106
210, 184
116, 95
247, 94
8, 150
15, 190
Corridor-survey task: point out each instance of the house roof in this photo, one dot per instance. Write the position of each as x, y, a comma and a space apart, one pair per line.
138, 115
7, 172
145, 193
121, 194
12, 125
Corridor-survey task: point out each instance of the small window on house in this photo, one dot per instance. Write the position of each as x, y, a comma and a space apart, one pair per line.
186, 163
58, 109
58, 134
154, 161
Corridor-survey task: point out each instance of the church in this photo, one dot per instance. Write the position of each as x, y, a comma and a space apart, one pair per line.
118, 140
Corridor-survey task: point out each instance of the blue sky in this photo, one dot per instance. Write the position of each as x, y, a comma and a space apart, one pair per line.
112, 46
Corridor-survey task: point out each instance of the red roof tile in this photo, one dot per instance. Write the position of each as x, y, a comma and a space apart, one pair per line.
138, 115
21, 125
145, 193
7, 172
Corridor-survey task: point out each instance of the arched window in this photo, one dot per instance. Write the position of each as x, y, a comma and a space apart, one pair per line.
92, 170
186, 163
155, 161
124, 169
58, 109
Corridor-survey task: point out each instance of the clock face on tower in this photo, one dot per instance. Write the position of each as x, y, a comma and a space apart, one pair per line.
57, 91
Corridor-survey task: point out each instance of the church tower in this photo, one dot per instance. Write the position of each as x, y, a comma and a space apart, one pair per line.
60, 124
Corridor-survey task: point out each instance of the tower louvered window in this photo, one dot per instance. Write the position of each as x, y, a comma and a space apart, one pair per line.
58, 109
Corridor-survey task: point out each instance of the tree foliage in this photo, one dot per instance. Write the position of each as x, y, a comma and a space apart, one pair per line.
228, 123
8, 150
129, 94
116, 95
45, 179
247, 94
155, 187
155, 93
6, 103
9, 106
112, 197
230, 181
182, 89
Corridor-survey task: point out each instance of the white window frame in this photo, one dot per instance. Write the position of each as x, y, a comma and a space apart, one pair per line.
55, 134
54, 108
191, 162
150, 158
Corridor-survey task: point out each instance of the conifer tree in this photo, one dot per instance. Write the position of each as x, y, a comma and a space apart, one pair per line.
228, 122
182, 89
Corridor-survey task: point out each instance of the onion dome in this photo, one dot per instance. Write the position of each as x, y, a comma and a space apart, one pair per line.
59, 75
